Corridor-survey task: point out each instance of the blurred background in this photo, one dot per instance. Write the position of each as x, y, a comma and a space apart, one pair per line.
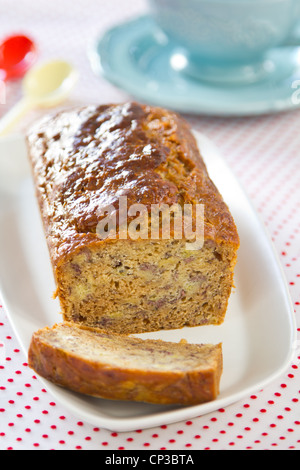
263, 151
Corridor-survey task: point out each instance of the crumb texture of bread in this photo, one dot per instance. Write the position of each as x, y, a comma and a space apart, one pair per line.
93, 362
84, 160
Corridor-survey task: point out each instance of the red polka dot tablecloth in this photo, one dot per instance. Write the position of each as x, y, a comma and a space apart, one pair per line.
264, 153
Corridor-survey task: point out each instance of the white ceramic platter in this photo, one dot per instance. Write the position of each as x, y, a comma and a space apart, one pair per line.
258, 334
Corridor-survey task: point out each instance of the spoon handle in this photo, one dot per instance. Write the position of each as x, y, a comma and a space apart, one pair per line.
12, 117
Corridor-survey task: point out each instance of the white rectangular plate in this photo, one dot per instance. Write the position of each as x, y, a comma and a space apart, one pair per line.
258, 335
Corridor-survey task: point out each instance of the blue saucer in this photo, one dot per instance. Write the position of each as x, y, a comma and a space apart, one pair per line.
138, 58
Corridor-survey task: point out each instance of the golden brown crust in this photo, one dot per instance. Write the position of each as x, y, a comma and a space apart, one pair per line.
66, 367
86, 158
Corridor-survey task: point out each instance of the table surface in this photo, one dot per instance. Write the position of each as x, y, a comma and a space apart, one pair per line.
264, 153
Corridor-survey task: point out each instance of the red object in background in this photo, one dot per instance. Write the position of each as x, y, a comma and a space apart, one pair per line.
17, 54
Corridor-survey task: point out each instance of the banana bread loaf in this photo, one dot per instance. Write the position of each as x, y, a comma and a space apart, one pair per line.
118, 367
85, 162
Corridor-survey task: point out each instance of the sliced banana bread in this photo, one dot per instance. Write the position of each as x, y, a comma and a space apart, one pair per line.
119, 367
84, 161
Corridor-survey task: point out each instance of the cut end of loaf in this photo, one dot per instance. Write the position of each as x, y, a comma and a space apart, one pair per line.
141, 286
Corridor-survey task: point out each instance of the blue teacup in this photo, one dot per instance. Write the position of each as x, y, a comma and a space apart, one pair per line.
226, 40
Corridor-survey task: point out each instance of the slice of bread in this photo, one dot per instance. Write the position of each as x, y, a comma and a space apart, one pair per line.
118, 367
